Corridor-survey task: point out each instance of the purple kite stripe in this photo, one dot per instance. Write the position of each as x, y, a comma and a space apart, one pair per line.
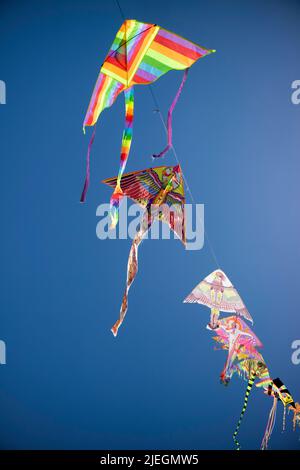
94, 98
145, 75
183, 42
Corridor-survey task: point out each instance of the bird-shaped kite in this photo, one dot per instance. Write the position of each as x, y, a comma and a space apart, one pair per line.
244, 359
140, 54
239, 340
160, 192
217, 292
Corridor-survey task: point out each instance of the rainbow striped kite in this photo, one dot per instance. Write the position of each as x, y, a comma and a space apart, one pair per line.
140, 54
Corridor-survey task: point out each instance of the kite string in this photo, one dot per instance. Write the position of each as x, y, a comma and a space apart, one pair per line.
213, 254
121, 11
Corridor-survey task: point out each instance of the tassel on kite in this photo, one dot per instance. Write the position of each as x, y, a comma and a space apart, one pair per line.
270, 425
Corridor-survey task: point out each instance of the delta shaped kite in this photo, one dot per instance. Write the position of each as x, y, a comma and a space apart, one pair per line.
217, 292
140, 54
160, 192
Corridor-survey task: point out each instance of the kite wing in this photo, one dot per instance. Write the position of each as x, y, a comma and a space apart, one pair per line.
246, 336
140, 186
249, 362
275, 387
230, 301
140, 54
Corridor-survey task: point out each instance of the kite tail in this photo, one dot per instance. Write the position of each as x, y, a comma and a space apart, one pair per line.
284, 419
249, 387
270, 425
170, 112
87, 171
125, 149
132, 269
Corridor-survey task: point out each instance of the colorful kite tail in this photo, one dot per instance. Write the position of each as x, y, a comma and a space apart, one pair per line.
115, 200
270, 425
132, 269
87, 171
125, 149
249, 387
170, 112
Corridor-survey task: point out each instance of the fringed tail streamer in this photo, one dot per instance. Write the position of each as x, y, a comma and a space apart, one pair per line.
249, 387
132, 269
270, 425
284, 419
170, 112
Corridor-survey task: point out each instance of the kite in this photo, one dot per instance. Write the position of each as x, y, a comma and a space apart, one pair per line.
274, 388
252, 368
250, 364
277, 390
140, 54
160, 192
217, 292
240, 341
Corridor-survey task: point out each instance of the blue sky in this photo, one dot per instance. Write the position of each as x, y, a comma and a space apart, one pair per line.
68, 383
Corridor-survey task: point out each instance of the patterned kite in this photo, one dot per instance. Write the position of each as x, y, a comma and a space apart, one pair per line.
140, 54
239, 340
272, 387
160, 192
235, 337
247, 362
217, 292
